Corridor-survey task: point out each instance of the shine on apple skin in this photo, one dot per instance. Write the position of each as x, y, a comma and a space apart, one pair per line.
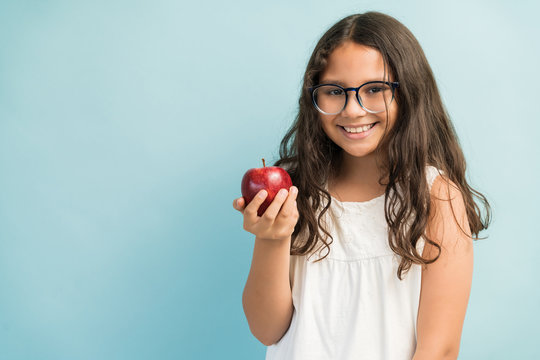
271, 179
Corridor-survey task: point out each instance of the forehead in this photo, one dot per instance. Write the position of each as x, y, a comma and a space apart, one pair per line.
352, 63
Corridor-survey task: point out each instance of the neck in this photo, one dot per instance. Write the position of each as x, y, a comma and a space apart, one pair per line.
360, 171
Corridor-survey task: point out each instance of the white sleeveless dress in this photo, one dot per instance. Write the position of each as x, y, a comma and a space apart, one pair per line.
351, 305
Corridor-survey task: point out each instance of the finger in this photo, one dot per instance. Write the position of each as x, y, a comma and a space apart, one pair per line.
275, 206
289, 206
238, 204
250, 210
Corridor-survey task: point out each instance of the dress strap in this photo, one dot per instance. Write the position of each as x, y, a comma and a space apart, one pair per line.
431, 173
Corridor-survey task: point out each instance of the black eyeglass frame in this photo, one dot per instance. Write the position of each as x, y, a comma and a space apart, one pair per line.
394, 85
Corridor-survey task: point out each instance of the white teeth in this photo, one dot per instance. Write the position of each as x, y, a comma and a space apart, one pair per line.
358, 129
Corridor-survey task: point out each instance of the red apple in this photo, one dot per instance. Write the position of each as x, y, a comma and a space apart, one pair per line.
271, 178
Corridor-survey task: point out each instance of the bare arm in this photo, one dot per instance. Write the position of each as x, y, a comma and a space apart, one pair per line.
446, 283
267, 297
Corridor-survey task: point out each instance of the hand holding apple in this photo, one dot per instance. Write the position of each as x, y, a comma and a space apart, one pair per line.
271, 179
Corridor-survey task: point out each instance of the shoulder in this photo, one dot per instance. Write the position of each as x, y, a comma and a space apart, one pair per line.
445, 191
442, 188
448, 220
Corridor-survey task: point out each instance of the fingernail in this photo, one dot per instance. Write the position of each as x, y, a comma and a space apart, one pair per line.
262, 194
294, 190
282, 193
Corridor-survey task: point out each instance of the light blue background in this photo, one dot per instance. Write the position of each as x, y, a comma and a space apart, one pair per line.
125, 129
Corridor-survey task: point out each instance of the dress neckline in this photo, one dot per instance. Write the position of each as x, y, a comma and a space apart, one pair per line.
355, 206
358, 202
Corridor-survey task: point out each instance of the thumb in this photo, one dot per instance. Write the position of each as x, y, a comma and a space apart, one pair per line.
239, 204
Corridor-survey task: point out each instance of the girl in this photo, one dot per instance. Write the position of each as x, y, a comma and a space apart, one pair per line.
369, 255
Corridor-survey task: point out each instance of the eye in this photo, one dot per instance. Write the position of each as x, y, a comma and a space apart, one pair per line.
334, 92
375, 89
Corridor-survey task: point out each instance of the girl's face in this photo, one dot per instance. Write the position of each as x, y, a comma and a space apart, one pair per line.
351, 65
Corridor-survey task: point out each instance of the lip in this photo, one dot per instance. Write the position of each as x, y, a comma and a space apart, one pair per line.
356, 136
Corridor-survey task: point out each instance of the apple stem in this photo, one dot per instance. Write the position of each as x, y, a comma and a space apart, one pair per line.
264, 165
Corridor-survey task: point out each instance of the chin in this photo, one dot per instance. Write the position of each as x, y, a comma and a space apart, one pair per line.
357, 153
360, 154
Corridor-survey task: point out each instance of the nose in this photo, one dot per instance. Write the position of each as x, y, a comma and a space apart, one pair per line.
353, 108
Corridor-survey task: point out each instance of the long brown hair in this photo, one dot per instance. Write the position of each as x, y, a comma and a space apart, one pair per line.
422, 135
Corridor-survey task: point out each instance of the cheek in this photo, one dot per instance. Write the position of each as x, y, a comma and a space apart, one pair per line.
327, 122
392, 116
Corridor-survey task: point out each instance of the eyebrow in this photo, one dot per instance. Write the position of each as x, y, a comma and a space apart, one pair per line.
338, 82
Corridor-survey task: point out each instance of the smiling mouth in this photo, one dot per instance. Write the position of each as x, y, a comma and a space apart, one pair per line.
357, 130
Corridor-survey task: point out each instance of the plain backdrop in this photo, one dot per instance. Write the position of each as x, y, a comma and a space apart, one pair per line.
125, 130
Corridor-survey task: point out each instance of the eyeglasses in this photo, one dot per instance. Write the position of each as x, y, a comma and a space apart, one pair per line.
373, 96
